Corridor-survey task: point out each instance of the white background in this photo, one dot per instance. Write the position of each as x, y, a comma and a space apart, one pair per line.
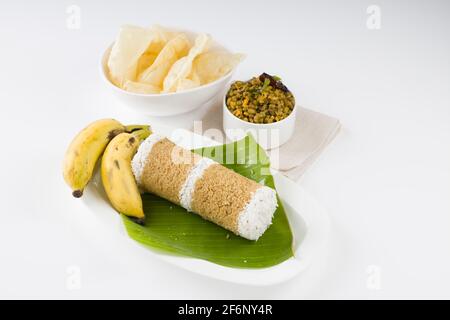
385, 180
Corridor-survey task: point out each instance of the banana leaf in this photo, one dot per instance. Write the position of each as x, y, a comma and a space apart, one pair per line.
171, 229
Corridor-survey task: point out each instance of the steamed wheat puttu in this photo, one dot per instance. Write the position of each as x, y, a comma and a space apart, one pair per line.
205, 187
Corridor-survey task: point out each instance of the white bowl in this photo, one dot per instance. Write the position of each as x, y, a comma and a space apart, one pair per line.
165, 104
268, 135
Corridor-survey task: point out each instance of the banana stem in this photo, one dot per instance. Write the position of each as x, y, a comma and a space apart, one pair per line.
142, 134
135, 127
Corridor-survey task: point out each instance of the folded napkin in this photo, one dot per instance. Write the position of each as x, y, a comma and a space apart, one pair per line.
314, 131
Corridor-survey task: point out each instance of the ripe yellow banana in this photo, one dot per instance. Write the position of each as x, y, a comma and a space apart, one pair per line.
84, 151
117, 176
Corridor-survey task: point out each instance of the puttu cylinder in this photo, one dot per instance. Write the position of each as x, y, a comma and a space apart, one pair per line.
205, 187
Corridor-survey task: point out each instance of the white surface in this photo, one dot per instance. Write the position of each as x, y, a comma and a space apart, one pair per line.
309, 222
385, 181
268, 135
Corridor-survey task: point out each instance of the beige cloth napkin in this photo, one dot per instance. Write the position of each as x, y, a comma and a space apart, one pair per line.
313, 133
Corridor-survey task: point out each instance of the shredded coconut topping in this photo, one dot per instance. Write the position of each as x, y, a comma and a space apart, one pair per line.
187, 190
140, 158
257, 215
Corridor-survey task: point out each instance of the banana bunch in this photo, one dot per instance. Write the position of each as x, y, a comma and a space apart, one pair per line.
118, 144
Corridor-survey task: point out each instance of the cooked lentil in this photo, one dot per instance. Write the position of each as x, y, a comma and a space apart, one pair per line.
262, 99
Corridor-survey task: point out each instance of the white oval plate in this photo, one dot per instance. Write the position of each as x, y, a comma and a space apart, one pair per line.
309, 223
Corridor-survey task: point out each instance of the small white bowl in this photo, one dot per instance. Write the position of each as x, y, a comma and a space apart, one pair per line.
165, 104
268, 135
